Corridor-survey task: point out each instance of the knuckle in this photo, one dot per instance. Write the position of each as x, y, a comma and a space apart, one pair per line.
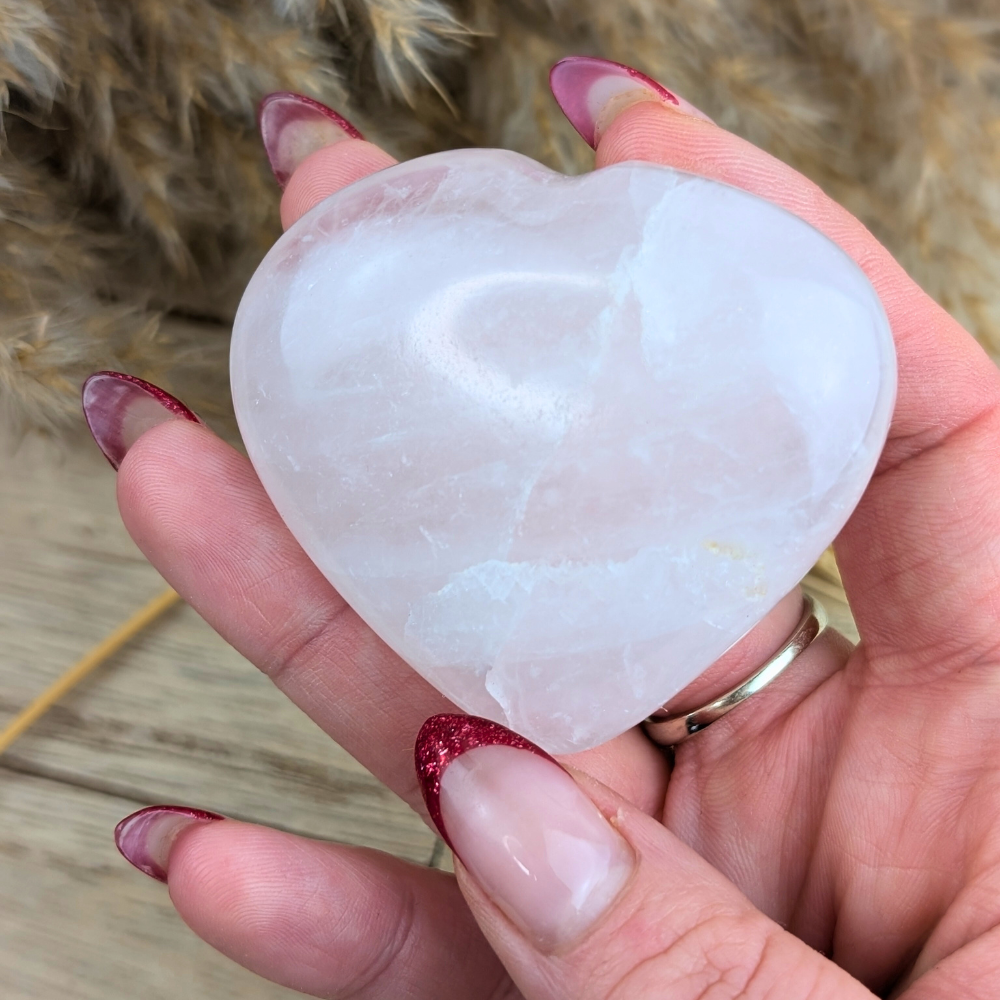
299, 641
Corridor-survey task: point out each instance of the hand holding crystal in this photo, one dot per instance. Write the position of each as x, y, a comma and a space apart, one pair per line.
835, 836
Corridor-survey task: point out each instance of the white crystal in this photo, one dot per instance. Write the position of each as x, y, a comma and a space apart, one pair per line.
560, 441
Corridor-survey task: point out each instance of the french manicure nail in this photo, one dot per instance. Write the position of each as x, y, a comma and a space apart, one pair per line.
119, 408
521, 826
293, 126
146, 837
593, 92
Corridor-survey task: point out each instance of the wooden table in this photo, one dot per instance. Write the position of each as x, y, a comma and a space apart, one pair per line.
176, 716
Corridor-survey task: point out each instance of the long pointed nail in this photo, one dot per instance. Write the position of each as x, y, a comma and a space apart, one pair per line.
593, 92
293, 126
521, 826
146, 837
119, 408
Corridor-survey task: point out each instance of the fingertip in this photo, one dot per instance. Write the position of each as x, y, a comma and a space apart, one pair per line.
655, 132
160, 481
255, 895
326, 919
158, 461
293, 125
592, 92
198, 861
215, 876
328, 170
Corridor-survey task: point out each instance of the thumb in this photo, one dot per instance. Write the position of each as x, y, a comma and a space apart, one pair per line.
585, 897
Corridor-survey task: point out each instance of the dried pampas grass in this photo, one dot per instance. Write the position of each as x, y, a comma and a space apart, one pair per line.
133, 186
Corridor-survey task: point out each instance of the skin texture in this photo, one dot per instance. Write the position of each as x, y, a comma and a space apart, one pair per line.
852, 810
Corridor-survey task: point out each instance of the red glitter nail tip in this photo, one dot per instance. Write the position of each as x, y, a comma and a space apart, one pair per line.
581, 86
442, 738
292, 125
119, 407
137, 841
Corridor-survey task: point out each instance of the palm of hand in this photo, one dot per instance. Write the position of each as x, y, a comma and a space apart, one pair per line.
853, 802
861, 814
863, 821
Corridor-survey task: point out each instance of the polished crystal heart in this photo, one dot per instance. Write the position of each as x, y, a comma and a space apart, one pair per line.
560, 441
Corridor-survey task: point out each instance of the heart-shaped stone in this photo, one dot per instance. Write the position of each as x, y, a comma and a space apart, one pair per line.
560, 441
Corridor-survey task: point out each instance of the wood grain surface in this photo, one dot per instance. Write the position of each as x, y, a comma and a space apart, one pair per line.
175, 716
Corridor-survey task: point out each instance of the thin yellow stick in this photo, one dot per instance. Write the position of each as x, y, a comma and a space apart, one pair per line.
104, 649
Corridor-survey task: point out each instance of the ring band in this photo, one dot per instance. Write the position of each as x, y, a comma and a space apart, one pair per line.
668, 730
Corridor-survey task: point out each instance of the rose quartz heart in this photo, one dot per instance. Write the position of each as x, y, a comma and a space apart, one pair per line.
560, 441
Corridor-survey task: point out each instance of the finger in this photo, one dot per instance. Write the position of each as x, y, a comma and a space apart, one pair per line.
972, 973
196, 509
313, 151
325, 919
934, 504
584, 897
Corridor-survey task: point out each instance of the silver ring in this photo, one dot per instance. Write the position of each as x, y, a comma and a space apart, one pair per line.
668, 730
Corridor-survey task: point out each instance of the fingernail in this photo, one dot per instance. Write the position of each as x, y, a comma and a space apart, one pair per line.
293, 126
119, 408
146, 837
593, 92
521, 826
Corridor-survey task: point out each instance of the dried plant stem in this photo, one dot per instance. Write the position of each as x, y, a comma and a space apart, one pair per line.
90, 662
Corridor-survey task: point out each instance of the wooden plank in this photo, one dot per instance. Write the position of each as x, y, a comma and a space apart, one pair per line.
176, 716
77, 921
